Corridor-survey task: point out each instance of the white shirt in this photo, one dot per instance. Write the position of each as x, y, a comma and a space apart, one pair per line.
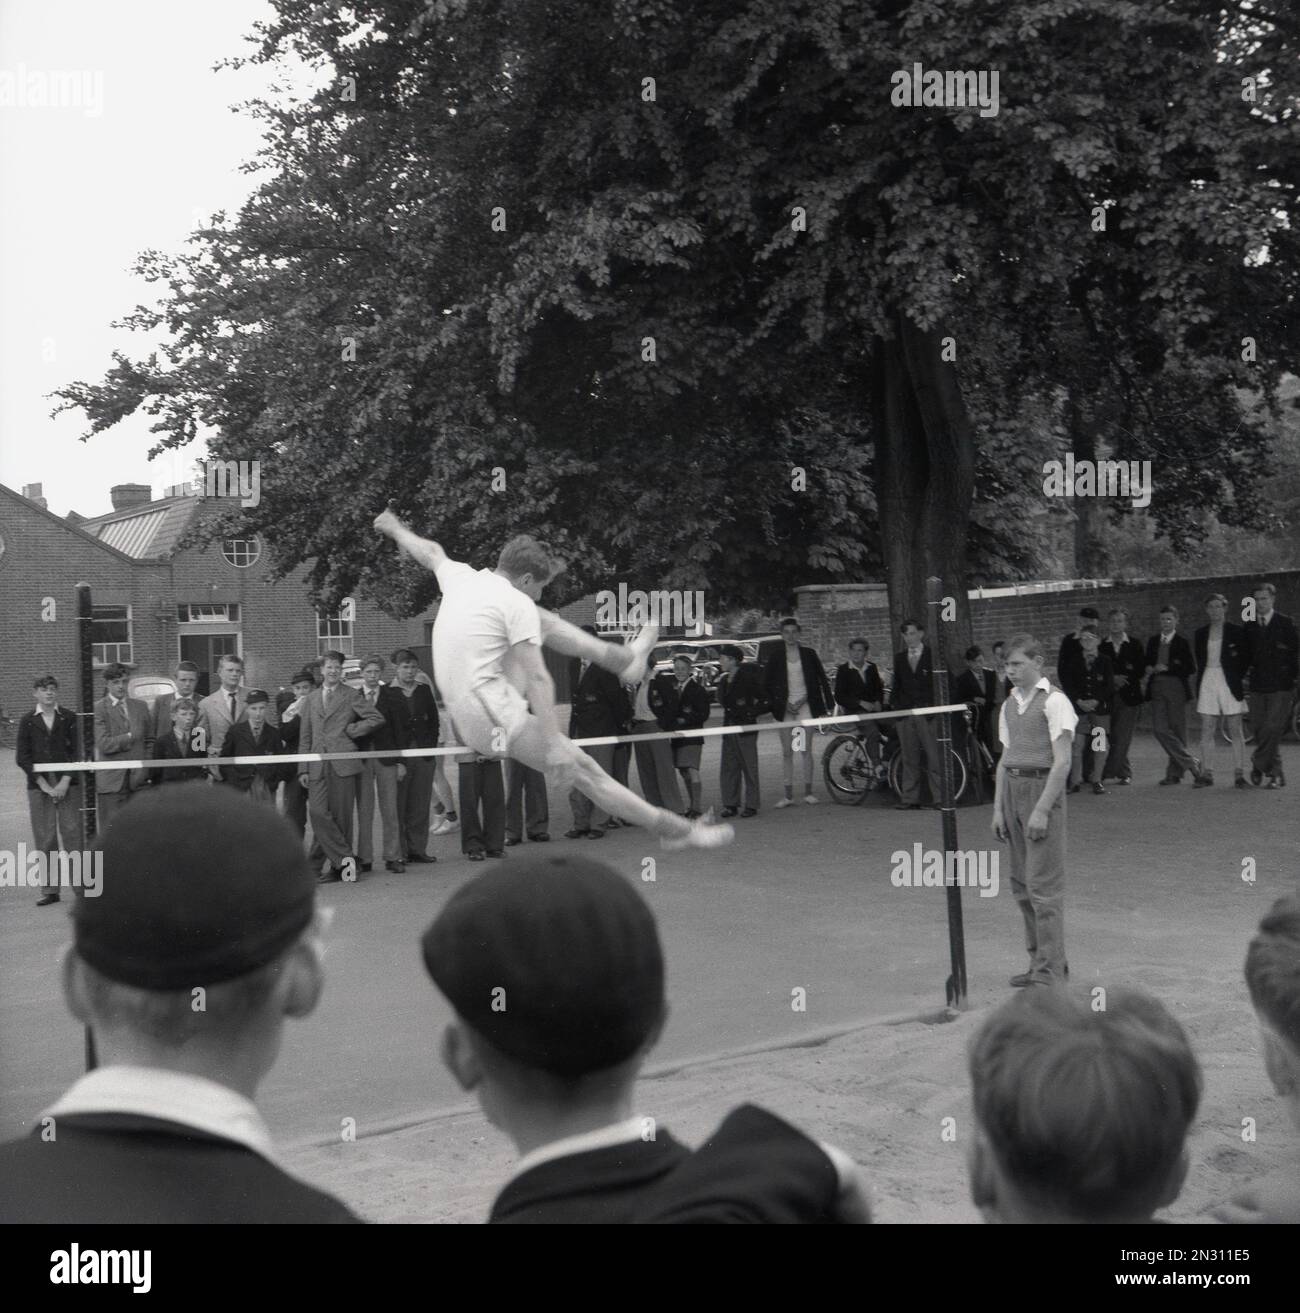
481, 617
796, 689
173, 1096
1061, 716
625, 1132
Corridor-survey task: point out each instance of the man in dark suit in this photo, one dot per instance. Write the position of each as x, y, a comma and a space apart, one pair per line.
680, 702
289, 704
1274, 651
165, 1128
1088, 680
123, 732
555, 975
335, 718
913, 687
223, 708
1070, 645
49, 733
599, 708
797, 689
742, 695
187, 683
253, 737
1128, 662
379, 774
1170, 668
978, 685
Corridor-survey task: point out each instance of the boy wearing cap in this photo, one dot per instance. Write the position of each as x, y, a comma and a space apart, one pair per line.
556, 975
290, 703
487, 642
1080, 1115
49, 733
165, 1129
253, 737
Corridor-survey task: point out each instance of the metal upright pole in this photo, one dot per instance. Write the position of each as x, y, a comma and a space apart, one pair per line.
955, 987
86, 740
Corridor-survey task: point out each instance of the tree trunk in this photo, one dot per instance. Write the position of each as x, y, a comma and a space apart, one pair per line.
925, 479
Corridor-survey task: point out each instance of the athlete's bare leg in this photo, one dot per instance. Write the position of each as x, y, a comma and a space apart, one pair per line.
565, 765
627, 662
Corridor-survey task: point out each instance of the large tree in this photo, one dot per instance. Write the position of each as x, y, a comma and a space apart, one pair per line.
686, 276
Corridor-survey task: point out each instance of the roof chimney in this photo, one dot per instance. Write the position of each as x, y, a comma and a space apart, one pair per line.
32, 492
127, 495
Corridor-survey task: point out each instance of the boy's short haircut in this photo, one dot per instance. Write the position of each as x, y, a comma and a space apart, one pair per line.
999, 643
1215, 597
1169, 610
116, 671
1118, 610
1273, 969
45, 681
187, 665
974, 652
230, 659
1086, 1111
374, 659
1089, 613
732, 651
188, 704
404, 654
332, 655
1264, 587
302, 677
790, 620
1026, 644
860, 642
910, 624
255, 696
524, 554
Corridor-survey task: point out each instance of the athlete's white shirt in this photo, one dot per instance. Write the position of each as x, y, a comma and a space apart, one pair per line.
481, 617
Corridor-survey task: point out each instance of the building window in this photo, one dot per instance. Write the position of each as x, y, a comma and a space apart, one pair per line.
111, 635
204, 614
334, 629
241, 552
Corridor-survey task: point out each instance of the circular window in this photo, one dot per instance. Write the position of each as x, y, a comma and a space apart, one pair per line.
241, 552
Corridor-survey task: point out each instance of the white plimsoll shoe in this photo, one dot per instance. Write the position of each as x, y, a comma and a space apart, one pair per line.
639, 650
444, 826
808, 798
704, 833
786, 802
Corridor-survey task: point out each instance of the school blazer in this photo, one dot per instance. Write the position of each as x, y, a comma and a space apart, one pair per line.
853, 689
685, 708
599, 705
36, 744
125, 733
167, 749
415, 719
1234, 657
214, 717
1274, 654
1078, 682
742, 696
349, 721
241, 743
1130, 661
814, 680
1181, 661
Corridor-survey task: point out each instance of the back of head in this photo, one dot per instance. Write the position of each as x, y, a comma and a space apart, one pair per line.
201, 890
554, 962
1273, 970
1086, 1112
523, 555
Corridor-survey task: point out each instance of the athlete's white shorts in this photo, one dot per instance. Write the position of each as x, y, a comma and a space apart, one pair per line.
489, 717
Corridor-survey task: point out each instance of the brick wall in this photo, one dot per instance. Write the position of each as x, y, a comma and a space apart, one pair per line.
830, 616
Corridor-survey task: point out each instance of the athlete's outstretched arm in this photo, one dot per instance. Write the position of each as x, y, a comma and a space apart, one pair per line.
424, 550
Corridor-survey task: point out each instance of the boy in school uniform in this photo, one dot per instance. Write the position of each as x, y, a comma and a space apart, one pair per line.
49, 733
1036, 728
178, 744
254, 737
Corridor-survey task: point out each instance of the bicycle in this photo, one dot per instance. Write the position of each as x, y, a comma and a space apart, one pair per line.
851, 770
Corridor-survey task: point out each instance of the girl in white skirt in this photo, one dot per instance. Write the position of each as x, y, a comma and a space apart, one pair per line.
1221, 663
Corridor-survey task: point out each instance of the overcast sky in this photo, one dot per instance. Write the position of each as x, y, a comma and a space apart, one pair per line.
151, 150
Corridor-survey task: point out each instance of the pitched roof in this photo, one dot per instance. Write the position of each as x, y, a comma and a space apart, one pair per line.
36, 509
149, 531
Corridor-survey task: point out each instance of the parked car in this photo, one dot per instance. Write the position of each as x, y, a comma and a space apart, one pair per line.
149, 688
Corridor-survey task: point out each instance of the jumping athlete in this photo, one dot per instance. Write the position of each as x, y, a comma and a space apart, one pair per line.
487, 657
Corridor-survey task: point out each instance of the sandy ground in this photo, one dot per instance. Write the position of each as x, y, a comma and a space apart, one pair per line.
803, 899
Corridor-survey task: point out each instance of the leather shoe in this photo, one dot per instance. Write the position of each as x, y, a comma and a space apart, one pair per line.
364, 866
1099, 788
907, 806
46, 899
576, 834
595, 834
749, 811
539, 838
418, 858
1256, 777
513, 843
728, 812
476, 857
332, 876
399, 867
496, 852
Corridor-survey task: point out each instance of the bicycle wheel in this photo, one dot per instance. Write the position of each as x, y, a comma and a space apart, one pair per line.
847, 769
960, 775
1246, 732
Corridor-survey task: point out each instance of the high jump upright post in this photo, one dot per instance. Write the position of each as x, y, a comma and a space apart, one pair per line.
955, 987
86, 742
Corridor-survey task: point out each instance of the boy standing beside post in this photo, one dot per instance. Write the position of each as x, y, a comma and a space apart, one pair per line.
1036, 729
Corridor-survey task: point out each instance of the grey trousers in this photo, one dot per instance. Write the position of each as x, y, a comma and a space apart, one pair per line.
586, 815
654, 768
331, 800
1169, 724
381, 780
527, 806
1038, 876
1269, 713
740, 761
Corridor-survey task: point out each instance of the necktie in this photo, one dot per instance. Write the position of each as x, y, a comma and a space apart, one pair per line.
325, 697
371, 694
234, 708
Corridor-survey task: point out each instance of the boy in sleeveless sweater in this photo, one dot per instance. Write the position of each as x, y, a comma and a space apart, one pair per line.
1036, 729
